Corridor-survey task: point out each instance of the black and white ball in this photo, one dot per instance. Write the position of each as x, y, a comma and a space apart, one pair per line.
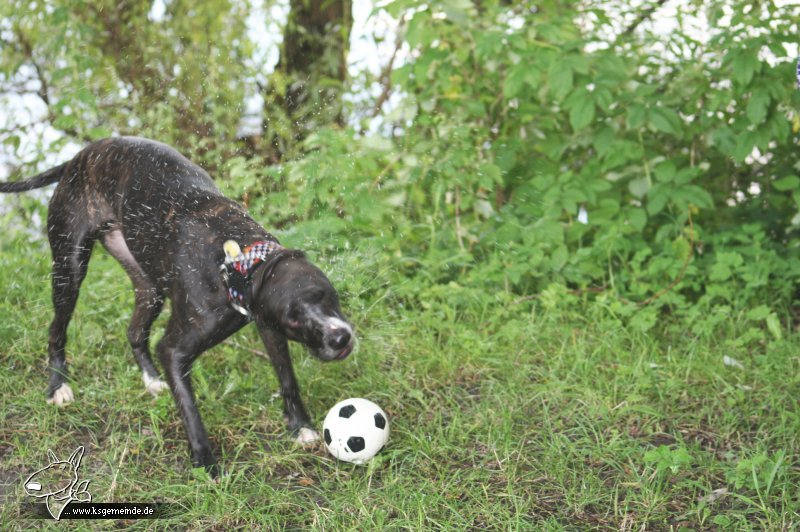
355, 430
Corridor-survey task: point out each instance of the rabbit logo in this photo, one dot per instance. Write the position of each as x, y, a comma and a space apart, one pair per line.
58, 483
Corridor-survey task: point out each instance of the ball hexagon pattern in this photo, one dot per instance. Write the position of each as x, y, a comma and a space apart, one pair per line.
355, 430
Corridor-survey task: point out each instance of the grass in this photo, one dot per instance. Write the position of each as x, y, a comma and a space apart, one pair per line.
504, 416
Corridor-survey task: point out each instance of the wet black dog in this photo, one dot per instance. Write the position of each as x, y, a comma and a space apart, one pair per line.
177, 237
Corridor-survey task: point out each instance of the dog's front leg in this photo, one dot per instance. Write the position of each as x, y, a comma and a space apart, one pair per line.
177, 365
295, 413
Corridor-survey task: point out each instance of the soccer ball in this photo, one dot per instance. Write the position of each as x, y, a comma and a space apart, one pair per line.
355, 430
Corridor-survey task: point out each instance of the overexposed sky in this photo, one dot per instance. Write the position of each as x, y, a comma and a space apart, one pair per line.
365, 53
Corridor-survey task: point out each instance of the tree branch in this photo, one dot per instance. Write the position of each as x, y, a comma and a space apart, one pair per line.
44, 87
386, 72
643, 16
27, 49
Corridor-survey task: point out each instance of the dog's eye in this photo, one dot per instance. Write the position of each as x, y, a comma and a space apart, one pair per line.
316, 296
293, 318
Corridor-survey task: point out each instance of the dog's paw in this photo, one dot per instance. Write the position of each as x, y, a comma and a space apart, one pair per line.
154, 385
306, 436
62, 396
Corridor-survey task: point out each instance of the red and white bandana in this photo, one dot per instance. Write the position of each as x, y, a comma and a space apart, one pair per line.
238, 269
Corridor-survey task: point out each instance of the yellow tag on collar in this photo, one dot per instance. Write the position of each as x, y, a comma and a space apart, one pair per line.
232, 249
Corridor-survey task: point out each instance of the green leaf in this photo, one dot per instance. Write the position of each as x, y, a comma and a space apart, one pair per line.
665, 120
665, 171
665, 458
722, 520
100, 132
699, 196
65, 122
603, 98
745, 143
724, 139
459, 11
687, 174
515, 81
559, 257
84, 95
13, 141
758, 313
547, 231
720, 272
730, 258
637, 114
774, 326
657, 198
613, 68
603, 139
745, 66
489, 175
419, 32
726, 263
578, 63
637, 218
560, 80
582, 113
757, 106
790, 182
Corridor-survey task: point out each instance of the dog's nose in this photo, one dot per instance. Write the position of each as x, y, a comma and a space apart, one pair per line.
340, 338
34, 486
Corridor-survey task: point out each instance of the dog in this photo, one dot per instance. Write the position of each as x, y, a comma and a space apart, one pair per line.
178, 237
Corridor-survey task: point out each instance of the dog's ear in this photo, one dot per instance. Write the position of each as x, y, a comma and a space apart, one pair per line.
52, 457
82, 492
266, 271
268, 267
75, 458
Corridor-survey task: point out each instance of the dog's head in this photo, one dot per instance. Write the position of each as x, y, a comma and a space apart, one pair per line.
57, 478
293, 295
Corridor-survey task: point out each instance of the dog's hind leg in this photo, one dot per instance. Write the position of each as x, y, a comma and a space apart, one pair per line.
148, 304
71, 251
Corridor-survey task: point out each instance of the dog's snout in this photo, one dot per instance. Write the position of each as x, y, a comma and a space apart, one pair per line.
340, 338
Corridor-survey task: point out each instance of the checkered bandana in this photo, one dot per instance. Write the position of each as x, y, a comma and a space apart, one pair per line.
237, 271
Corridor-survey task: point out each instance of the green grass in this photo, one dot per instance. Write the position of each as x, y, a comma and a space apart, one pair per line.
504, 415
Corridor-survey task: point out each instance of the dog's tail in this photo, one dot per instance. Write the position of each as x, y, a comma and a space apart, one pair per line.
42, 180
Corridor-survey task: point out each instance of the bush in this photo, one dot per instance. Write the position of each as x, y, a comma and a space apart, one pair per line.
546, 146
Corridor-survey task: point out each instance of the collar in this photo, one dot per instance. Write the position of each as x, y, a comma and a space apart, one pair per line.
238, 268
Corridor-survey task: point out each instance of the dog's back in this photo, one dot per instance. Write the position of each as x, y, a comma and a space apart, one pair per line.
130, 179
164, 206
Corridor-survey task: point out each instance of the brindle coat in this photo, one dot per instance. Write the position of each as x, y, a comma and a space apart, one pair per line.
164, 220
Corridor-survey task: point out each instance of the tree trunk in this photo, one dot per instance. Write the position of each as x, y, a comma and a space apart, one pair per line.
305, 91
